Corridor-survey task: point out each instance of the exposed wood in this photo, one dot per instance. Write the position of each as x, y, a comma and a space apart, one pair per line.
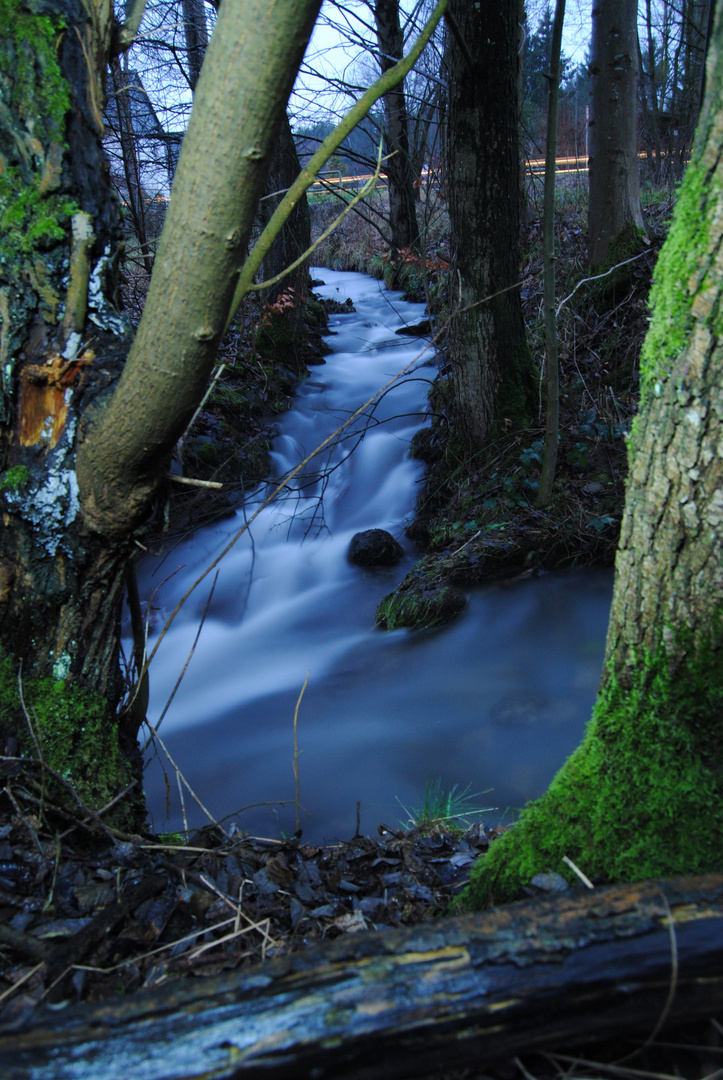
549, 973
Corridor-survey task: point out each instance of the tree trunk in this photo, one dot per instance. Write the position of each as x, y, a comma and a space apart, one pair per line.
196, 33
238, 106
492, 373
136, 204
615, 216
402, 211
281, 331
640, 796
548, 974
61, 345
63, 348
653, 83
552, 411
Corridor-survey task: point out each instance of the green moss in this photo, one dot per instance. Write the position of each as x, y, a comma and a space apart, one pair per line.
677, 279
29, 67
641, 797
233, 399
30, 220
77, 736
418, 607
33, 214
15, 478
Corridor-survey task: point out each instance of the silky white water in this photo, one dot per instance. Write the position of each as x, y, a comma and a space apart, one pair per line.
496, 700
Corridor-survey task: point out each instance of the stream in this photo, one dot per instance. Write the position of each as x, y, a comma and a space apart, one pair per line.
496, 701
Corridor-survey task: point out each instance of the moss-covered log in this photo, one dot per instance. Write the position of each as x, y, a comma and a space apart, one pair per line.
642, 795
466, 991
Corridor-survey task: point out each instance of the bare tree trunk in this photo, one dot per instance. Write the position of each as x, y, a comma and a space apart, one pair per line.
127, 138
402, 211
653, 84
492, 373
281, 336
552, 417
615, 217
196, 33
239, 102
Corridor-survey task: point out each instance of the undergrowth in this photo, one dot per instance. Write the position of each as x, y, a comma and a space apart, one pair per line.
451, 808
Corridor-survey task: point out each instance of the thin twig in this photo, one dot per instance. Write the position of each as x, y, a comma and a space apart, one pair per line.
576, 870
361, 194
26, 714
191, 481
209, 390
167, 706
596, 277
23, 978
182, 779
296, 750
674, 967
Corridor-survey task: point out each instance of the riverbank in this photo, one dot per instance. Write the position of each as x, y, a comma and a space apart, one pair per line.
476, 520
92, 917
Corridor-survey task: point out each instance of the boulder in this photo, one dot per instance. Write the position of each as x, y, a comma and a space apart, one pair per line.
374, 547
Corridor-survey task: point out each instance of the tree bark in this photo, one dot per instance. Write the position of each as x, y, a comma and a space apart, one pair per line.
640, 796
196, 34
238, 106
546, 974
552, 411
400, 176
61, 341
615, 215
492, 375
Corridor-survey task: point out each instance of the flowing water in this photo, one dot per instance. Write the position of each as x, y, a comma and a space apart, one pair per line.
497, 700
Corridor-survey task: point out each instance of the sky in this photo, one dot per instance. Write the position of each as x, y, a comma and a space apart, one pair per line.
336, 48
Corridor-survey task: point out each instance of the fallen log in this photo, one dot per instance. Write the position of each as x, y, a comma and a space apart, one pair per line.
550, 973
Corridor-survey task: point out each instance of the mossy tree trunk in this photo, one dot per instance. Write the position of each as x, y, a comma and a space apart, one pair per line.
615, 216
642, 795
61, 345
492, 374
85, 432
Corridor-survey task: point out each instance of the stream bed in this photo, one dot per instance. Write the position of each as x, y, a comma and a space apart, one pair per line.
497, 700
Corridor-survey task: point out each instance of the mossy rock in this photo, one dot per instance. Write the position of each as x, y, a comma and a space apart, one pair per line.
419, 606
